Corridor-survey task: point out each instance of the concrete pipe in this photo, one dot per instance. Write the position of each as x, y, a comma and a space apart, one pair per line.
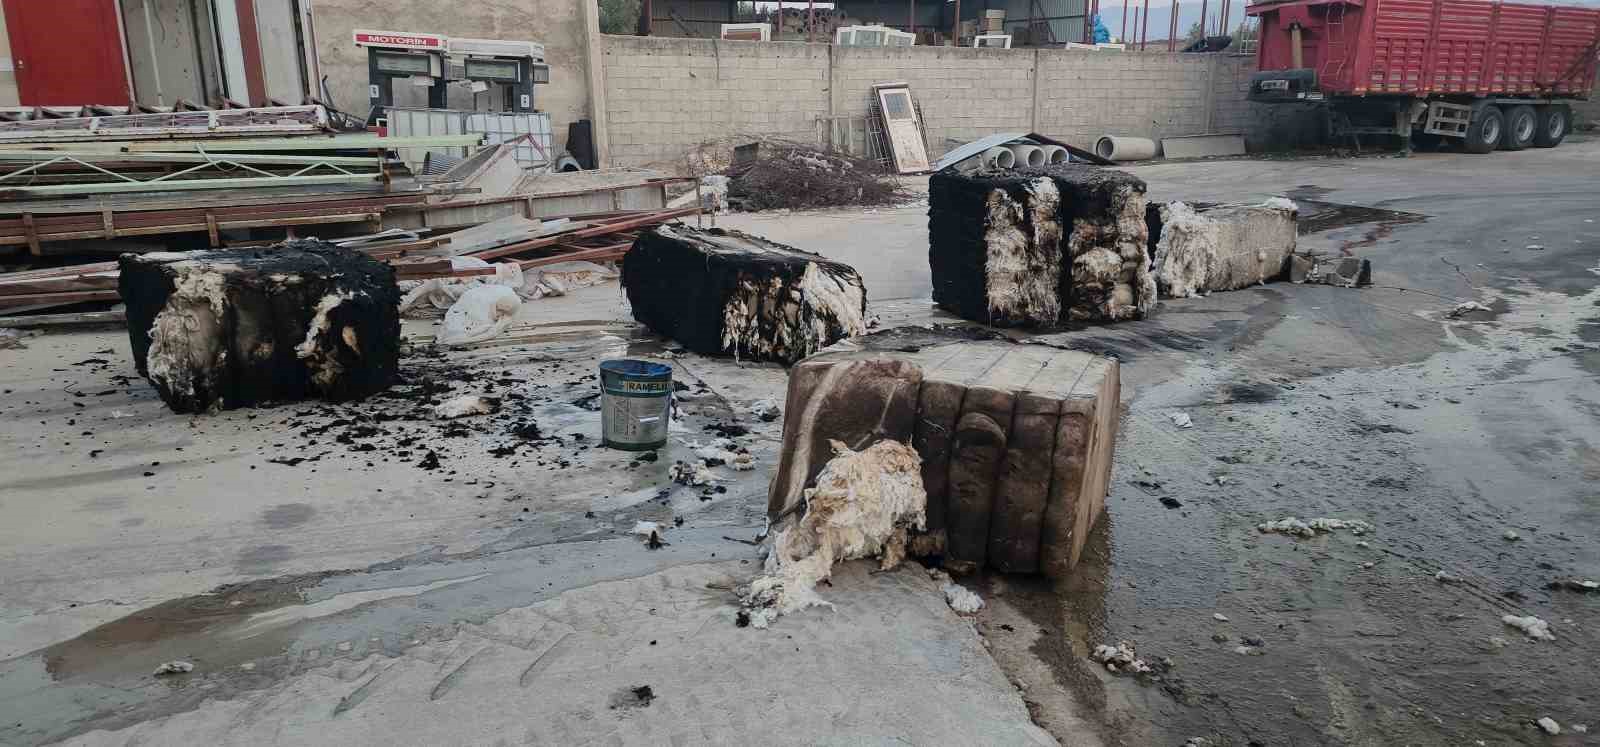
1028, 155
999, 157
1055, 154
1125, 148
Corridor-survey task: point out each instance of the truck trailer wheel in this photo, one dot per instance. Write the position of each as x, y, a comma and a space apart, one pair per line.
1485, 129
1522, 123
1555, 121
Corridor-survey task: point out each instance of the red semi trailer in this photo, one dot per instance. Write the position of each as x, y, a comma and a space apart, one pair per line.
1491, 74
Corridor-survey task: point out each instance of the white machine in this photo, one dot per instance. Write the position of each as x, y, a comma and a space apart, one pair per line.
434, 60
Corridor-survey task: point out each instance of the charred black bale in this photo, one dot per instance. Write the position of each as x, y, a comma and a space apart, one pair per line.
216, 330
994, 246
728, 293
1039, 246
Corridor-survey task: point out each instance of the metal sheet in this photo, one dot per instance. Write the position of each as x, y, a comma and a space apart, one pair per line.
496, 127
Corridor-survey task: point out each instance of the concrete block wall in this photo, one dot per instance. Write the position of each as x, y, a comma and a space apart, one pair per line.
964, 93
665, 96
1084, 94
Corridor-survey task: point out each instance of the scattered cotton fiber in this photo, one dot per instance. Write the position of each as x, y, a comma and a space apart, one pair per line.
174, 667
465, 406
1291, 525
1120, 658
862, 505
1534, 627
961, 599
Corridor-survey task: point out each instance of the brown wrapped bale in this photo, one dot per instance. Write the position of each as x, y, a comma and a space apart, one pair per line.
1015, 439
1040, 246
215, 330
728, 293
855, 402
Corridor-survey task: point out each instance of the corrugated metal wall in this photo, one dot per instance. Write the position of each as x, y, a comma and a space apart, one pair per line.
1065, 16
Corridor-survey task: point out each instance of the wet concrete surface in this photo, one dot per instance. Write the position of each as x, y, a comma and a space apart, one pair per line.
1307, 401
1372, 405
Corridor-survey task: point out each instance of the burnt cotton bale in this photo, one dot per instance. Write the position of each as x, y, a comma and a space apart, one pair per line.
728, 293
1039, 246
1015, 440
216, 330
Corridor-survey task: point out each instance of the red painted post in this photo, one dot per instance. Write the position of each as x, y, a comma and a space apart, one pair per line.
1144, 27
1123, 36
1205, 23
1172, 34
811, 20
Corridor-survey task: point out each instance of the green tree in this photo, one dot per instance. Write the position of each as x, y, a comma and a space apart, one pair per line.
1196, 32
619, 16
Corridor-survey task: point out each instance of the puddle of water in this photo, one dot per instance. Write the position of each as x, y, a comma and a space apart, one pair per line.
1317, 216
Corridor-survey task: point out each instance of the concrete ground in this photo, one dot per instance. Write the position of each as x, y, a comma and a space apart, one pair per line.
359, 595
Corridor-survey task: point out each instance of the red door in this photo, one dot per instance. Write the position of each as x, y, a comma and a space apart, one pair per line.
67, 52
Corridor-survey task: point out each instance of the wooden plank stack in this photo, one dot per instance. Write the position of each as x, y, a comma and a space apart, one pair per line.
1016, 439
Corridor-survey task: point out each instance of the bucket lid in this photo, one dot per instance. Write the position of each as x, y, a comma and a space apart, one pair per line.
630, 367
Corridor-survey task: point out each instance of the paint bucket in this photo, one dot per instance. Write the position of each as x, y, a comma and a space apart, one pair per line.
635, 404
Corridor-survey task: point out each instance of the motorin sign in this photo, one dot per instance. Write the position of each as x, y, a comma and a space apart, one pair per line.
401, 40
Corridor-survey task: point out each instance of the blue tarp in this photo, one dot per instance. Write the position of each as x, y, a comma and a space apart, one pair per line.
1101, 34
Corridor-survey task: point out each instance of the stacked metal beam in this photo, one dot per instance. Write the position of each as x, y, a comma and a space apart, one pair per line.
107, 182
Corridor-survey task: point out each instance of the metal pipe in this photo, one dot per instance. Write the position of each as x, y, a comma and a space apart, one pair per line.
1296, 49
1205, 23
155, 62
1172, 33
1144, 33
1123, 35
955, 27
811, 20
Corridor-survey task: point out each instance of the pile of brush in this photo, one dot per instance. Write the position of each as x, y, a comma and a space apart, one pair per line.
775, 175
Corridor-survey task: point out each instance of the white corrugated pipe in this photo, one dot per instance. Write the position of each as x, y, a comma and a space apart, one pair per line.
1125, 148
1055, 154
999, 157
1028, 155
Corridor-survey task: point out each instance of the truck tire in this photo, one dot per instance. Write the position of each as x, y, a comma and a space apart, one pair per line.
1485, 129
1555, 121
1522, 124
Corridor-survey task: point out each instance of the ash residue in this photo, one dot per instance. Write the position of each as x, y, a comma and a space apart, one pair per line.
400, 425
